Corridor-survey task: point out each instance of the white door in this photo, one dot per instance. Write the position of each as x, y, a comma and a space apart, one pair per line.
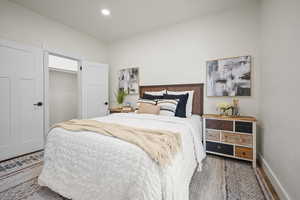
94, 84
21, 96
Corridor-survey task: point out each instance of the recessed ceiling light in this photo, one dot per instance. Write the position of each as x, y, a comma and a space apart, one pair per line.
105, 12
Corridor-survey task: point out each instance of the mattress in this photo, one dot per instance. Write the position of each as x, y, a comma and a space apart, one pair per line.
86, 165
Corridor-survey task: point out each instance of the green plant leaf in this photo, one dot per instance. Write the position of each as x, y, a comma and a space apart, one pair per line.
120, 96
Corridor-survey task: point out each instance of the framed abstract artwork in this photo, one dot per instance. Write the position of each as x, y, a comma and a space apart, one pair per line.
129, 80
229, 77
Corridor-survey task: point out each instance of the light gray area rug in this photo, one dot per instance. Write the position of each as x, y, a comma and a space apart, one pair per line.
19, 170
220, 179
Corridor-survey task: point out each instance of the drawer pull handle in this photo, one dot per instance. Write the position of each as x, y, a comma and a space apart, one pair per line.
244, 153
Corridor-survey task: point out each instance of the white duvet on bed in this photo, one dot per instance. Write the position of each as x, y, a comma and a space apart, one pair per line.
91, 166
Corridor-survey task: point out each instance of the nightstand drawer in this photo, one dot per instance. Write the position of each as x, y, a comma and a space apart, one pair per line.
219, 124
244, 152
213, 135
235, 138
243, 127
219, 148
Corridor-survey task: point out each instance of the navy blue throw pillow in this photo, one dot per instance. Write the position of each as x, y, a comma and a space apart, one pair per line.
181, 106
152, 97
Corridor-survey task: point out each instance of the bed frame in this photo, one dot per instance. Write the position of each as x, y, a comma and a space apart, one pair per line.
198, 93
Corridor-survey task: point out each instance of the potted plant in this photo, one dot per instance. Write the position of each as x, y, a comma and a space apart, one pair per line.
120, 97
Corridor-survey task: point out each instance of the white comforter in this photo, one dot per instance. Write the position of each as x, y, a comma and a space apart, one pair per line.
91, 166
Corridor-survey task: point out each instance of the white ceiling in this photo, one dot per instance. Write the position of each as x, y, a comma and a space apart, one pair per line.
128, 17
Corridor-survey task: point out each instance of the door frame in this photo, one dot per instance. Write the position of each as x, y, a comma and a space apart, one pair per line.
46, 53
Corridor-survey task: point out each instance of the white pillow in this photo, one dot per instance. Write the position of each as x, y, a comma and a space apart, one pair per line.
167, 106
189, 104
159, 93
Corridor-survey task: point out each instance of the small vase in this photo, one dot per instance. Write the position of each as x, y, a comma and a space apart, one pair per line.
222, 112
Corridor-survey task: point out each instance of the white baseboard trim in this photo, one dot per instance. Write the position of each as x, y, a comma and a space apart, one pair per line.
283, 195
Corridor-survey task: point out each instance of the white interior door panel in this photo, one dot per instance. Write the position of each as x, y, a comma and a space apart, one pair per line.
21, 86
94, 84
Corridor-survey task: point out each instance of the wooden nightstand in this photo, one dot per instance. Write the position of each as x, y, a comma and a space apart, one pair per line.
121, 110
229, 136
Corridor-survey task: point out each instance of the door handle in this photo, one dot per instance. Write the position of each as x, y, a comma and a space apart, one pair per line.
38, 104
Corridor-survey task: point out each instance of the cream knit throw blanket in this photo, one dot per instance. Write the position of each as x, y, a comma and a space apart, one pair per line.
160, 145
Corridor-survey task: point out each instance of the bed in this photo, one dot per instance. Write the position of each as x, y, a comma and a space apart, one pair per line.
86, 165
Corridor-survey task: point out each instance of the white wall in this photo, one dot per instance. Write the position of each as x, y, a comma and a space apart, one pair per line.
22, 25
63, 96
177, 54
280, 93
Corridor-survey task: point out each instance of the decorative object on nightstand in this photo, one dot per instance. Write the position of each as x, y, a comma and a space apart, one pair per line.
231, 136
227, 109
124, 109
120, 97
224, 108
235, 107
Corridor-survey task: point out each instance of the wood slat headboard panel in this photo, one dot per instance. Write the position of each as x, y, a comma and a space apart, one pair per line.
198, 93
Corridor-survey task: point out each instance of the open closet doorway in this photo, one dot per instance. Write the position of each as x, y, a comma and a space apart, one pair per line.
63, 88
73, 89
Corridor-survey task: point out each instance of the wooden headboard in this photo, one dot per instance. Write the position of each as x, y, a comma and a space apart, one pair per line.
198, 93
